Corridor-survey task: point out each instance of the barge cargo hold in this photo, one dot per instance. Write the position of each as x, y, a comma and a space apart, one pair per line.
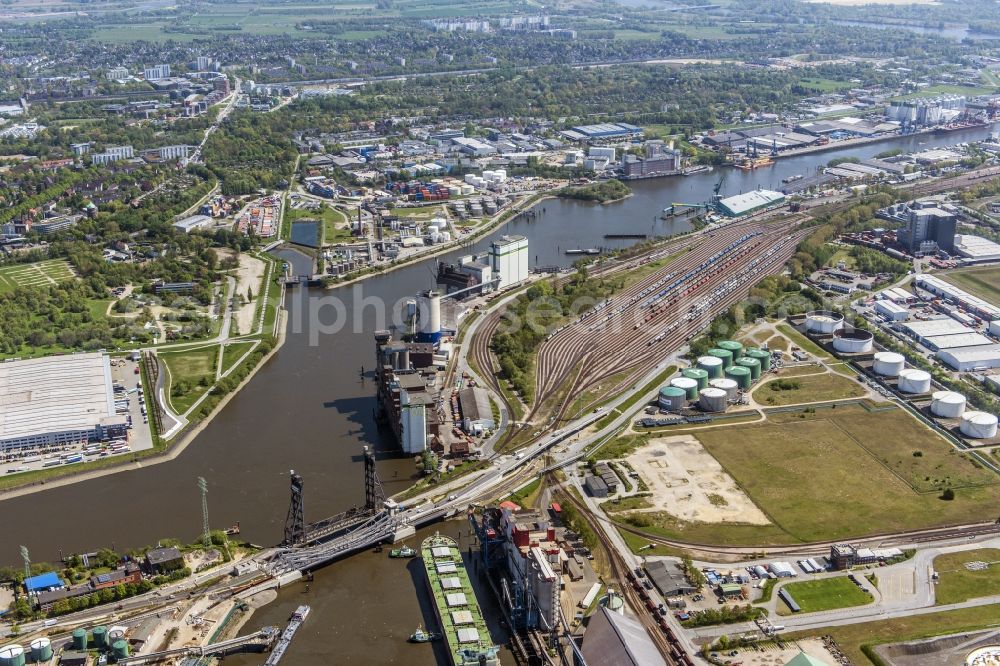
455, 604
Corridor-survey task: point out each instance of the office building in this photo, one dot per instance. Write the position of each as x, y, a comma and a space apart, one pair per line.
57, 400
221, 85
509, 259
177, 152
156, 73
203, 63
116, 74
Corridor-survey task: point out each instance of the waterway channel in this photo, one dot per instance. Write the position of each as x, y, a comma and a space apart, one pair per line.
309, 409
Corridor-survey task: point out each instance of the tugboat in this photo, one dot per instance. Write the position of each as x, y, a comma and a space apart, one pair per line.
404, 552
421, 636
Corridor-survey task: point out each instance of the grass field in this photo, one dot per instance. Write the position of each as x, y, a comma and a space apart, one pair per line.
841, 472
983, 281
233, 352
824, 594
38, 274
958, 583
802, 341
851, 637
812, 388
190, 367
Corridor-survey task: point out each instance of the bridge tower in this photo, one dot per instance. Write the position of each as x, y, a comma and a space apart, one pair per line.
374, 494
295, 521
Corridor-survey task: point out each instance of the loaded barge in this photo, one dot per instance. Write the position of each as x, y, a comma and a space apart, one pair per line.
455, 604
298, 617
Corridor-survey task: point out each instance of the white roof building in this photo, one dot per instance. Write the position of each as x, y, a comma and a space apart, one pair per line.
966, 359
976, 249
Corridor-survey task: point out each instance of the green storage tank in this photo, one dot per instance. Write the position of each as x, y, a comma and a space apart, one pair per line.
41, 650
751, 363
741, 376
101, 637
672, 399
732, 346
12, 655
697, 374
119, 649
80, 639
724, 354
762, 356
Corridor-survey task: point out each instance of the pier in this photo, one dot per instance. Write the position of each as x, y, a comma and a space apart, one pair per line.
258, 642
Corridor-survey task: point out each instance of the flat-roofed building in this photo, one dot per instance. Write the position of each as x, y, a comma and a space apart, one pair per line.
57, 400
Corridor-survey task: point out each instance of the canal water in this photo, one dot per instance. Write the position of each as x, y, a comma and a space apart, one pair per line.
310, 409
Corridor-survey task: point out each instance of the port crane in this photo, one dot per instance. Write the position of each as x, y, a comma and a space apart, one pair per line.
672, 209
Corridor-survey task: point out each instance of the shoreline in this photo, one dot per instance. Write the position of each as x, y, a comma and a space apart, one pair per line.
173, 449
862, 141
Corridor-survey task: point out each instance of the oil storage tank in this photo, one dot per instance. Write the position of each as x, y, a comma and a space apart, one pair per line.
763, 357
116, 634
724, 355
41, 650
853, 341
697, 374
12, 655
80, 639
119, 649
688, 385
672, 398
712, 365
979, 425
712, 400
888, 364
824, 321
733, 347
947, 404
751, 364
101, 637
912, 380
727, 384
741, 376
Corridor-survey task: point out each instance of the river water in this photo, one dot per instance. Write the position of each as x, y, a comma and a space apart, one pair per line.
309, 409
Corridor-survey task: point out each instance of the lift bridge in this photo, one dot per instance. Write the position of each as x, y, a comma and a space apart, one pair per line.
309, 545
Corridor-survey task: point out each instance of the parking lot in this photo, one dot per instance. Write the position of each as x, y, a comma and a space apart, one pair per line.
125, 373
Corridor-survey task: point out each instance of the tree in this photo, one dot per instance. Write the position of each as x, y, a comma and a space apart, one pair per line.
250, 294
948, 494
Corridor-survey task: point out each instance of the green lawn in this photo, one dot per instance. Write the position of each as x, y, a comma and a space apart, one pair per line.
852, 637
824, 594
847, 472
333, 221
188, 369
802, 341
812, 388
958, 583
983, 281
233, 352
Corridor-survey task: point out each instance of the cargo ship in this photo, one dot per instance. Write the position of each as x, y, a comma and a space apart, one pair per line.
455, 604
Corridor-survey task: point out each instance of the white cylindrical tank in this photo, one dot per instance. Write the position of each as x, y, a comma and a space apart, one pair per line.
711, 364
712, 400
979, 425
726, 384
824, 321
686, 384
433, 229
947, 404
12, 655
889, 364
912, 380
854, 341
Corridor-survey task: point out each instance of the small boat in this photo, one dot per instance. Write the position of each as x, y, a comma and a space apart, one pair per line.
403, 552
421, 636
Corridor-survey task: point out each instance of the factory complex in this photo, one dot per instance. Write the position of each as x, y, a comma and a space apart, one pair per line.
56, 400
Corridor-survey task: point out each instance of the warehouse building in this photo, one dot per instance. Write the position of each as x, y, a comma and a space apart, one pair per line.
477, 411
891, 311
945, 290
608, 131
750, 202
921, 331
968, 359
976, 249
960, 341
612, 639
669, 578
57, 400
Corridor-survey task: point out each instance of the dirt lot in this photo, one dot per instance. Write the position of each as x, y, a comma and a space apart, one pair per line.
688, 483
248, 277
775, 657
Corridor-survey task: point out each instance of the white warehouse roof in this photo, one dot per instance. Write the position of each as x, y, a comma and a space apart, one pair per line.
976, 248
748, 201
969, 339
949, 290
934, 327
54, 394
972, 358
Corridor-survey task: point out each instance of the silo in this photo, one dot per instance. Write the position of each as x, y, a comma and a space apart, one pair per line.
912, 380
429, 312
80, 639
672, 399
12, 655
100, 637
762, 356
712, 365
119, 649
741, 376
751, 364
732, 346
853, 341
688, 385
712, 400
824, 321
947, 404
697, 374
888, 364
724, 354
41, 650
727, 384
116, 634
979, 425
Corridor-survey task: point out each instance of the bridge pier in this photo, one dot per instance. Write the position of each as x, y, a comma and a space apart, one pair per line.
404, 532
